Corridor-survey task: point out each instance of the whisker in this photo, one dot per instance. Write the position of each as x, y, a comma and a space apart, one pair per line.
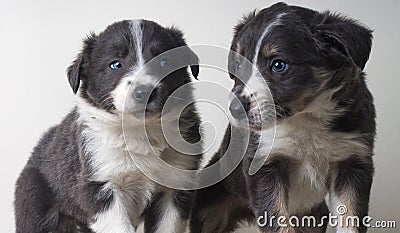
176, 97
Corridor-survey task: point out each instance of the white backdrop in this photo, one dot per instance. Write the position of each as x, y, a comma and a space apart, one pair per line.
39, 39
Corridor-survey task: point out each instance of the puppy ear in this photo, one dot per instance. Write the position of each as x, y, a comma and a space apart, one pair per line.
188, 53
74, 71
193, 59
345, 36
195, 70
245, 19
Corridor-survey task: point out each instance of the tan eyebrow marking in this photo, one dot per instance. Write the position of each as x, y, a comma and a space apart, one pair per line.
239, 49
269, 50
277, 21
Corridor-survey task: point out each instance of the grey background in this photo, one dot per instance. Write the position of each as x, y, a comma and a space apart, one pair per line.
39, 39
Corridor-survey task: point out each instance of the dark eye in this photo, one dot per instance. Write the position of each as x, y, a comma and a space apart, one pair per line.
164, 62
115, 65
278, 66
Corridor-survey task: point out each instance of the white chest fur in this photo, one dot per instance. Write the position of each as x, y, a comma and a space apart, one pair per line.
309, 142
110, 144
110, 141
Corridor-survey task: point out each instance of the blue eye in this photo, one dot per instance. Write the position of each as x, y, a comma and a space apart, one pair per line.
278, 66
115, 65
164, 62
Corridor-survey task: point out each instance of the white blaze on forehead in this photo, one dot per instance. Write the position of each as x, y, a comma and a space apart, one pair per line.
122, 94
277, 21
137, 34
256, 82
137, 76
257, 89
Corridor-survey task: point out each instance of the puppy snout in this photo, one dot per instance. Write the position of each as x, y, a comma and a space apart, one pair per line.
238, 108
144, 93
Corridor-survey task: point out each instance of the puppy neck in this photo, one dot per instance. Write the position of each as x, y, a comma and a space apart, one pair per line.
118, 130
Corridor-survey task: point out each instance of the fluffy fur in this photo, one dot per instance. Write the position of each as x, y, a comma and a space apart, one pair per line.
322, 144
81, 176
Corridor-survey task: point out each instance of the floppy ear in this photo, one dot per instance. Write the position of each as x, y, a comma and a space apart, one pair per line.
189, 54
194, 59
345, 36
74, 71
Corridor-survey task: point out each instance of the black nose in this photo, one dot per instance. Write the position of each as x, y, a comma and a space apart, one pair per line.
142, 93
237, 109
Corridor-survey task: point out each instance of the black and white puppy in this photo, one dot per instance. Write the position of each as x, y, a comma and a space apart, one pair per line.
325, 123
81, 177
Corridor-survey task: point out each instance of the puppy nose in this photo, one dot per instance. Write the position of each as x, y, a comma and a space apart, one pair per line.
142, 93
237, 110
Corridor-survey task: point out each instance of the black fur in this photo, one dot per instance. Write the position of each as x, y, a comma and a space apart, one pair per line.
56, 191
323, 52
153, 213
53, 185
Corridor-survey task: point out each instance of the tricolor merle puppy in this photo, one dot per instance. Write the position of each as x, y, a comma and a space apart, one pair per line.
321, 156
81, 176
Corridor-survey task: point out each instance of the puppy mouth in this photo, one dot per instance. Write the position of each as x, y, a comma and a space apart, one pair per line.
256, 119
251, 111
140, 113
146, 114
140, 110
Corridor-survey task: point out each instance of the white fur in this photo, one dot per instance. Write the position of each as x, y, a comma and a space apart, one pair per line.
171, 221
122, 94
111, 134
256, 84
110, 148
117, 145
277, 21
305, 137
346, 230
114, 219
137, 34
334, 203
261, 98
110, 141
